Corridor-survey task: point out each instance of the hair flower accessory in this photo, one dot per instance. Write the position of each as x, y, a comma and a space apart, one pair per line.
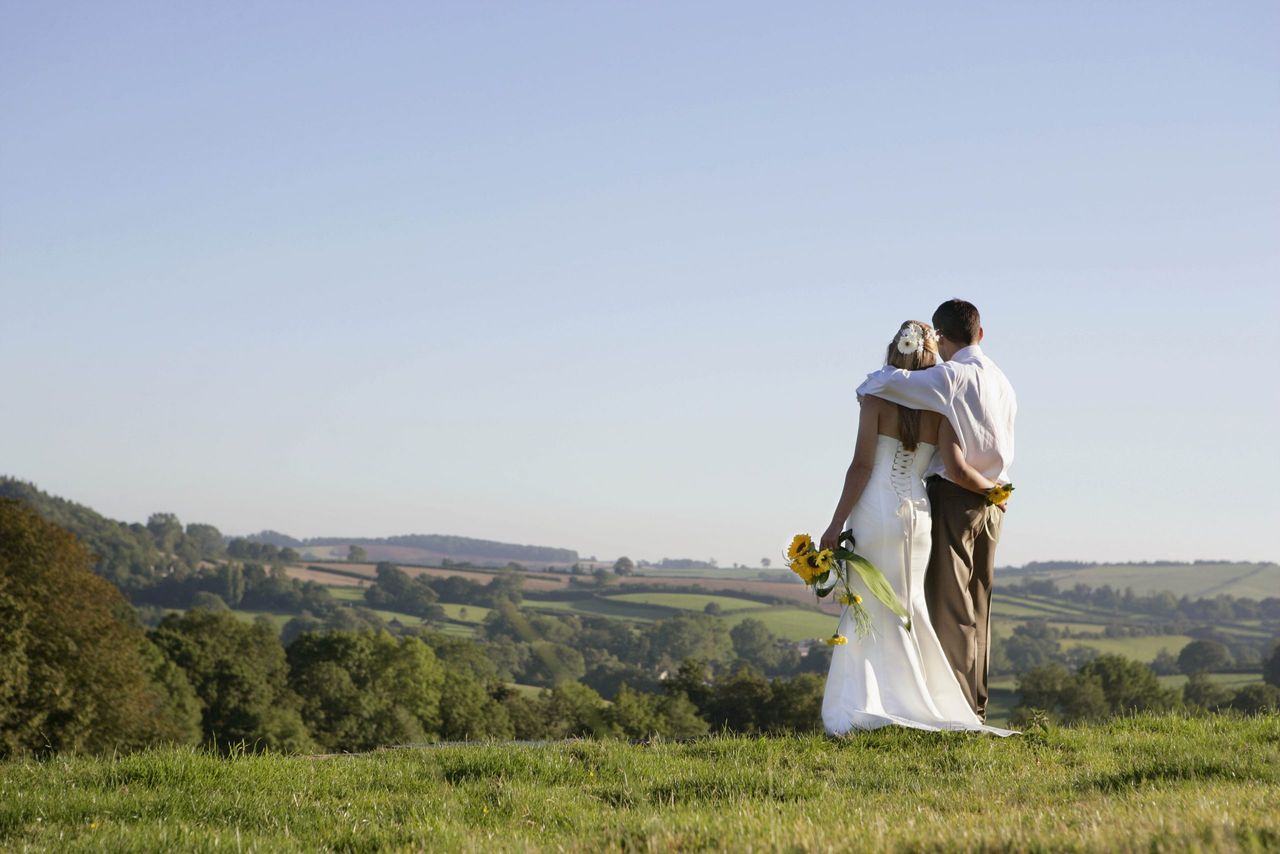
914, 337
910, 339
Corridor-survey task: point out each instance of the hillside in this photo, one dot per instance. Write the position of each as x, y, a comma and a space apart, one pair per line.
425, 549
1137, 784
1201, 579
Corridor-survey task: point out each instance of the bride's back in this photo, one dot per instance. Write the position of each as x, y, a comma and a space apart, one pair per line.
889, 421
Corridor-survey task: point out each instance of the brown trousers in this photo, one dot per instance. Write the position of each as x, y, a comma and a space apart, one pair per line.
957, 584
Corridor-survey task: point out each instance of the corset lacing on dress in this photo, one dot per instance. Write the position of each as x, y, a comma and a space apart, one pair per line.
903, 478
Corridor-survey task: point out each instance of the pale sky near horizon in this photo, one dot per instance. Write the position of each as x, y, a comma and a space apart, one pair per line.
605, 276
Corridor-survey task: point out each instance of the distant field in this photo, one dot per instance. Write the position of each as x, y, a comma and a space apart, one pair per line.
687, 601
795, 624
1251, 580
473, 613
1228, 680
368, 571
1141, 648
346, 594
754, 573
601, 608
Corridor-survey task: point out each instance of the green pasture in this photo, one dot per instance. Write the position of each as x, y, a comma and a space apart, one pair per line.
1142, 648
599, 607
1249, 580
347, 593
1227, 680
1146, 784
794, 624
688, 601
465, 613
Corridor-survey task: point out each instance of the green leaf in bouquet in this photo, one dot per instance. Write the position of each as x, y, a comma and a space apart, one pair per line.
825, 583
876, 583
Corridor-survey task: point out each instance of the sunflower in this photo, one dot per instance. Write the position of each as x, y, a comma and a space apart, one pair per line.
999, 493
836, 640
800, 544
824, 559
800, 567
850, 599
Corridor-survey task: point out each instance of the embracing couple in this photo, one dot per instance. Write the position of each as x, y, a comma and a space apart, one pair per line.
935, 435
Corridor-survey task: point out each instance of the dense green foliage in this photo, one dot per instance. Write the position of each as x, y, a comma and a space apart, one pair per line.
76, 671
1144, 784
240, 674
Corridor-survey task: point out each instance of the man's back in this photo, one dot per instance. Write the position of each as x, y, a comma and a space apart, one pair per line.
972, 393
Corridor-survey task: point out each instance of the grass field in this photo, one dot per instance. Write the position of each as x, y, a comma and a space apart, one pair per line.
687, 601
1142, 784
1250, 580
1141, 648
1228, 680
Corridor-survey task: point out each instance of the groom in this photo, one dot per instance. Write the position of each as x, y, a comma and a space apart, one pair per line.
977, 399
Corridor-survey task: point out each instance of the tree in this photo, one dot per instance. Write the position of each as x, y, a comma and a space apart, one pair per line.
77, 673
1203, 656
1202, 693
755, 644
206, 540
689, 636
356, 554
1271, 668
166, 531
624, 566
796, 704
366, 690
1165, 663
506, 586
572, 709
1257, 699
1032, 644
208, 601
765, 563
240, 675
740, 700
468, 713
1129, 686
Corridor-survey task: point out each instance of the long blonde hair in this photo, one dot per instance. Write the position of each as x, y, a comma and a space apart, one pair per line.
924, 356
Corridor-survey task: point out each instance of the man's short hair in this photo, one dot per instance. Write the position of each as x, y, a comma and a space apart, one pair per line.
958, 320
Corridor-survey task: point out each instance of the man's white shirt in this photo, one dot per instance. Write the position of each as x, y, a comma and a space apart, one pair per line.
972, 393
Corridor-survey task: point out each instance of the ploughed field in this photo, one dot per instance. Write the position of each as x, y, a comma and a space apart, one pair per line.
1139, 784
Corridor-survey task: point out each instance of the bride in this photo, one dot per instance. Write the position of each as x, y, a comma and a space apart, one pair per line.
893, 676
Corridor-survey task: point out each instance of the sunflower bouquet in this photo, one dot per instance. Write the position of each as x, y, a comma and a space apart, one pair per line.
999, 494
825, 569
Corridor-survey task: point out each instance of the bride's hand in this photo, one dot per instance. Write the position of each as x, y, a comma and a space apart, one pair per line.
830, 538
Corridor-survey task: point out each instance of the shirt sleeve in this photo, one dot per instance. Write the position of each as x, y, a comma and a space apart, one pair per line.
932, 389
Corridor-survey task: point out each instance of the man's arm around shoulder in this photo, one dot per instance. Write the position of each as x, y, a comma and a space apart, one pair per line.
931, 389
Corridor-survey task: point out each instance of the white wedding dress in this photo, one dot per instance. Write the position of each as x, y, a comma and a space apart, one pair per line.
893, 676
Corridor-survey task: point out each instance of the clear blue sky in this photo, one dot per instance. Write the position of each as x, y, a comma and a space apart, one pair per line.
605, 276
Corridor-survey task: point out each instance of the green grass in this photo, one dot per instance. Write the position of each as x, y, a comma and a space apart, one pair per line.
347, 593
790, 623
688, 601
1142, 784
1249, 580
1228, 680
474, 613
600, 608
1140, 648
